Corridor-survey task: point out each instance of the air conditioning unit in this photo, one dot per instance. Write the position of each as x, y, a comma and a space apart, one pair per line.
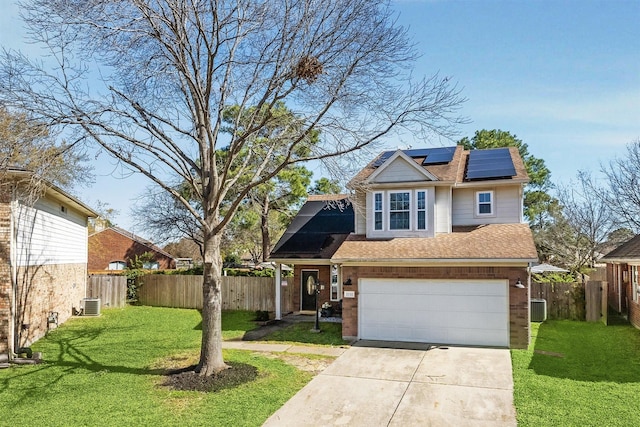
538, 310
91, 306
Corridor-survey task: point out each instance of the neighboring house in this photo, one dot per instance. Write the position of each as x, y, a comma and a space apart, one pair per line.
115, 249
439, 252
43, 259
623, 264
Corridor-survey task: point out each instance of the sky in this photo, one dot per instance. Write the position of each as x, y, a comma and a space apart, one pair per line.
563, 76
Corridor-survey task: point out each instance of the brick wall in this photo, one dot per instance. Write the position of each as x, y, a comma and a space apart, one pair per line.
5, 275
45, 289
109, 245
518, 298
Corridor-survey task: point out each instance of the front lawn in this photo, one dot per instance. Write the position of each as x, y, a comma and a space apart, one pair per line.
578, 374
301, 333
106, 371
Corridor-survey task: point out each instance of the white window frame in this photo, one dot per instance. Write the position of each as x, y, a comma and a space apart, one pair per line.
118, 263
378, 209
403, 211
383, 208
491, 203
334, 289
420, 210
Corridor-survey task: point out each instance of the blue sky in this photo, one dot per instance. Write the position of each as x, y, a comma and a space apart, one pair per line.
564, 76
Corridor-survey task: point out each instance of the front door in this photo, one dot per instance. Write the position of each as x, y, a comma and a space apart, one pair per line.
307, 302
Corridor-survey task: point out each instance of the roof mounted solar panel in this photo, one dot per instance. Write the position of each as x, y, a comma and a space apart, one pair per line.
490, 164
439, 155
383, 158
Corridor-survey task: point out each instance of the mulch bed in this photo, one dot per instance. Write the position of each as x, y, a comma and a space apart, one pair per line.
188, 379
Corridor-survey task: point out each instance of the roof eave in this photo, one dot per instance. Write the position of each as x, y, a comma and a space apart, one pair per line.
435, 261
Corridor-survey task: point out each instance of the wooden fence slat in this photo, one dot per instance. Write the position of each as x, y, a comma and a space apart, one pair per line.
111, 289
238, 293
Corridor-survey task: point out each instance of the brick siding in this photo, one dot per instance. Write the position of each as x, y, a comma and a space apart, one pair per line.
109, 245
45, 289
5, 274
518, 298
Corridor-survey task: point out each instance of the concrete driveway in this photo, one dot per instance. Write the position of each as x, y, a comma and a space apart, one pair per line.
444, 386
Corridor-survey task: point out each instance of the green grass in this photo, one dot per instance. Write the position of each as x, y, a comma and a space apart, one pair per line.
578, 374
236, 323
301, 333
106, 371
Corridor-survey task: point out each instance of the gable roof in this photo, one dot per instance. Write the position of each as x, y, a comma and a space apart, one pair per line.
627, 252
419, 171
51, 190
491, 242
321, 225
135, 238
453, 170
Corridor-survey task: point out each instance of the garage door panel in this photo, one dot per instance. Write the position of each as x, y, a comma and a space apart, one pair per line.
437, 311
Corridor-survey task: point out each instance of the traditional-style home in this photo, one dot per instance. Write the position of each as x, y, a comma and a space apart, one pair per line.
115, 249
623, 264
439, 253
43, 258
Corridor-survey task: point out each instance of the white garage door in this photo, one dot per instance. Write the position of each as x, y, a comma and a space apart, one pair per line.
471, 312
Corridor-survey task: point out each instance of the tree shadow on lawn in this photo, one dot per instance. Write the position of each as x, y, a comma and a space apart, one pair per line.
589, 352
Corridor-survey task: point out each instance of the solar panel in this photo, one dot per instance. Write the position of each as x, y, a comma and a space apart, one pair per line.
491, 163
439, 155
383, 158
433, 156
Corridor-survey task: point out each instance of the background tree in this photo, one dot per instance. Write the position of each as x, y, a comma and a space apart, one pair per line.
581, 228
163, 74
326, 186
538, 203
29, 144
623, 189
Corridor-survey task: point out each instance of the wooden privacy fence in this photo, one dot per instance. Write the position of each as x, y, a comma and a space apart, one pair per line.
238, 293
573, 301
111, 289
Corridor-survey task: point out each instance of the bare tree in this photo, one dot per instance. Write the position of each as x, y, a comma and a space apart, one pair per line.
149, 80
581, 226
623, 192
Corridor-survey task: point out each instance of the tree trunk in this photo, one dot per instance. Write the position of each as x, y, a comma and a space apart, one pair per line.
211, 361
264, 227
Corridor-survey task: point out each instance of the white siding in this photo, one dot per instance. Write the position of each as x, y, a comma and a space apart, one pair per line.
359, 210
507, 205
45, 234
399, 171
443, 210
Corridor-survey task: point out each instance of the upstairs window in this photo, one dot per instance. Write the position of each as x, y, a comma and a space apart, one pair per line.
399, 211
484, 203
377, 211
421, 210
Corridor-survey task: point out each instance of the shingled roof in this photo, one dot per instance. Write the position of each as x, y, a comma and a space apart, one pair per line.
627, 252
491, 242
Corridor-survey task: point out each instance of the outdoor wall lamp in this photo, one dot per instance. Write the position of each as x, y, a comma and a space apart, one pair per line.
519, 284
347, 282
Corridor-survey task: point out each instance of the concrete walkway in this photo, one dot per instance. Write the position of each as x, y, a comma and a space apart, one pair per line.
367, 386
284, 348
